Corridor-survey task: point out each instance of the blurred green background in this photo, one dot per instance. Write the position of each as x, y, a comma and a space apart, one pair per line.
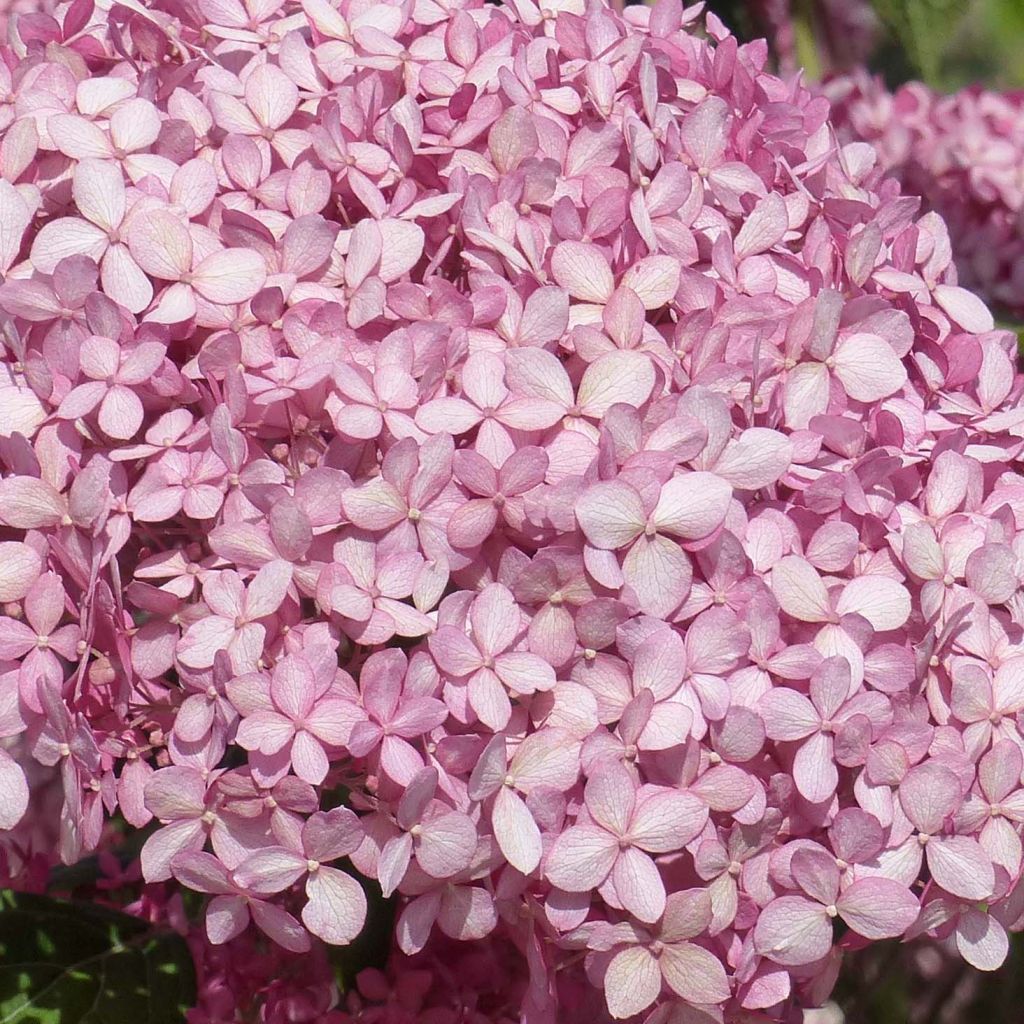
948, 44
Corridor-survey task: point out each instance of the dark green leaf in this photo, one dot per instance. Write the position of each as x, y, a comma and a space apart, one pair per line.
63, 962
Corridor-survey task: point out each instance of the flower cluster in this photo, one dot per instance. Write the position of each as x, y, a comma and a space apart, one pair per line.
963, 154
513, 455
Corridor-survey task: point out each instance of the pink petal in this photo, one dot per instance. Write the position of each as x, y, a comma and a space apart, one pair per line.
667, 820
229, 276
618, 377
763, 228
632, 982
336, 910
99, 193
868, 367
793, 931
165, 844
226, 917
814, 769
13, 792
961, 867
203, 639
878, 908
638, 885
692, 505
610, 514
654, 280
581, 858
68, 236
161, 245
694, 974
981, 940
964, 308
756, 459
279, 925
583, 271
467, 912
121, 413
516, 831
446, 844
271, 870
799, 590
308, 758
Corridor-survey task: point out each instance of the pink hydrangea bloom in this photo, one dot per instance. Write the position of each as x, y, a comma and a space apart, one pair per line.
509, 459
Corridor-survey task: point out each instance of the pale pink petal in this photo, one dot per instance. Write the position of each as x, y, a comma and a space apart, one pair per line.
583, 271
814, 769
336, 910
446, 844
401, 248
161, 245
13, 792
516, 831
667, 820
276, 923
165, 844
611, 798
694, 974
692, 505
230, 276
99, 193
981, 940
639, 885
268, 588
393, 863
203, 640
271, 870
134, 125
489, 699
617, 377
960, 866
654, 280
756, 459
121, 413
632, 982
271, 95
799, 590
308, 758
417, 919
964, 307
610, 514
880, 599
581, 858
123, 279
467, 912
788, 715
68, 236
793, 931
763, 227
868, 367
226, 917
494, 617
878, 908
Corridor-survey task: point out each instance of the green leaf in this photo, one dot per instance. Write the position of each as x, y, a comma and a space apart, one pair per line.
63, 962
